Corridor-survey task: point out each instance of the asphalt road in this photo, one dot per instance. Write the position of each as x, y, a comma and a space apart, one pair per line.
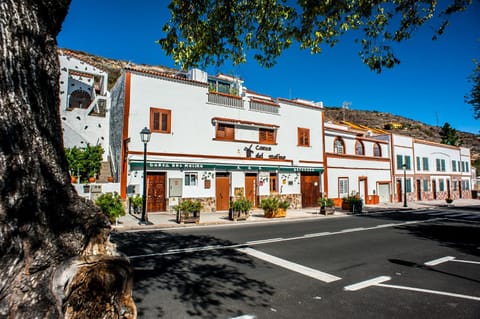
350, 267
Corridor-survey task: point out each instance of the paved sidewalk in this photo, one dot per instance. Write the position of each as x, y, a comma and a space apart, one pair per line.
168, 220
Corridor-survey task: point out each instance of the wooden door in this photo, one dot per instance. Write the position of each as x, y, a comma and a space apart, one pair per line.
310, 189
399, 190
222, 191
156, 192
419, 190
434, 189
250, 188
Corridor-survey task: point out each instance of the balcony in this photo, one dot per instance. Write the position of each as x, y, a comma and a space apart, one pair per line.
265, 106
225, 100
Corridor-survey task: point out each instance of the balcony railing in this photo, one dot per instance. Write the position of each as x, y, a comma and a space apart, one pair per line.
260, 106
225, 100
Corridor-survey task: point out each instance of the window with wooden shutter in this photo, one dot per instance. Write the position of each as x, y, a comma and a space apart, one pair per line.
266, 136
303, 136
225, 132
160, 120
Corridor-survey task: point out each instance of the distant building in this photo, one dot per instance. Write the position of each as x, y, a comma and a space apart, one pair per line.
84, 103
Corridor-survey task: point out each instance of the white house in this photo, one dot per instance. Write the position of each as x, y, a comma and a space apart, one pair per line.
84, 103
431, 170
358, 162
212, 139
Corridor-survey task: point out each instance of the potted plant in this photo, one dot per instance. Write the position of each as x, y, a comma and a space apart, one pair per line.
111, 205
273, 207
352, 203
326, 205
240, 209
449, 200
136, 203
188, 211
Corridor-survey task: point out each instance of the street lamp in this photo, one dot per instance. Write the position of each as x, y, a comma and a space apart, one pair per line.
145, 137
404, 166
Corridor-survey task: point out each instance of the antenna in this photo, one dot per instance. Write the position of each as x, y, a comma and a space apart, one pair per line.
345, 106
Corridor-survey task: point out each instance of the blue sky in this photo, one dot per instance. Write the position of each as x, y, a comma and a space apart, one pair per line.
429, 85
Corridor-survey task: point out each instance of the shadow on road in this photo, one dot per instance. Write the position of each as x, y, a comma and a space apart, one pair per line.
206, 284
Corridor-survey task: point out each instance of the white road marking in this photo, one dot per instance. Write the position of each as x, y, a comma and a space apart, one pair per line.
435, 292
245, 317
450, 258
367, 283
378, 282
274, 240
467, 261
307, 271
439, 261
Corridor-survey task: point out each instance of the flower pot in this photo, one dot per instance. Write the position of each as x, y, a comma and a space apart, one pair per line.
91, 179
110, 179
73, 179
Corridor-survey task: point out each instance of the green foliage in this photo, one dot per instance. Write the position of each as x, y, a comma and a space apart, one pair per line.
449, 135
111, 205
188, 206
84, 161
325, 202
208, 32
242, 205
271, 204
474, 97
136, 202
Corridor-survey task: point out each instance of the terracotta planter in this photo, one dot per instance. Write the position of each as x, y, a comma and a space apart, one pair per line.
73, 179
280, 212
110, 179
92, 179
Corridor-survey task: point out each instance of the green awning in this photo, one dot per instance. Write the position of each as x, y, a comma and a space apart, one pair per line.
161, 166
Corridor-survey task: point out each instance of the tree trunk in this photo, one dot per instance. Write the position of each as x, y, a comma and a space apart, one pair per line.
47, 232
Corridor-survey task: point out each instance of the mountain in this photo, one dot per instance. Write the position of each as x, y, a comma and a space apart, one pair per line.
381, 120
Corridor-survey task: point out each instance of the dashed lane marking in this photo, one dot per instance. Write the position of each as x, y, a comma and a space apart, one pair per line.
307, 271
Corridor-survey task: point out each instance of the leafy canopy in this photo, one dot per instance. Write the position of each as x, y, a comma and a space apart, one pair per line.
474, 97
449, 135
209, 32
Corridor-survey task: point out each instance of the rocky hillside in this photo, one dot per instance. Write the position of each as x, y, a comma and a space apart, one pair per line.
400, 125
374, 119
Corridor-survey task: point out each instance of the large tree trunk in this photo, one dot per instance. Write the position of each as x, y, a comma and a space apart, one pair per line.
47, 233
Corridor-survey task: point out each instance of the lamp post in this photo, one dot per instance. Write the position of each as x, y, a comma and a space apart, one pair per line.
404, 166
145, 137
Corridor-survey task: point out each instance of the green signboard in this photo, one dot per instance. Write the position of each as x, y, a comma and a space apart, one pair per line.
161, 166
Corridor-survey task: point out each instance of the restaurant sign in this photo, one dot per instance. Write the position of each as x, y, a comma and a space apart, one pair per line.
161, 166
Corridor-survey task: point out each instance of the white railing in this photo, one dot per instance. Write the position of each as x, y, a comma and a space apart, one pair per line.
263, 107
225, 100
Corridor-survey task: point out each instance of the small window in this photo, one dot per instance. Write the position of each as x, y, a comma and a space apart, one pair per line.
266, 136
160, 120
359, 149
303, 137
419, 164
408, 163
225, 132
343, 187
426, 185
338, 146
190, 179
441, 182
399, 161
408, 185
425, 163
377, 150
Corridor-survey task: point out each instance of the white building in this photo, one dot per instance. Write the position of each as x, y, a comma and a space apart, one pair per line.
432, 170
357, 162
84, 103
212, 140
